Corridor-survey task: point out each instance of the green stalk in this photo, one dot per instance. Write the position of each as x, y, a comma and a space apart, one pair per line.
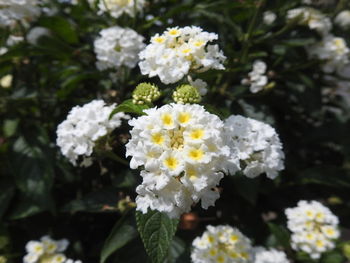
247, 37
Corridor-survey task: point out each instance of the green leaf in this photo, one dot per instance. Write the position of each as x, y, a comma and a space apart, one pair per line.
281, 234
333, 257
61, 27
122, 233
10, 127
246, 187
156, 230
93, 202
33, 176
129, 107
6, 194
176, 250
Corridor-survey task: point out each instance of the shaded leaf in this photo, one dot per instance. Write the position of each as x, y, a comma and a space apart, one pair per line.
122, 233
61, 27
129, 107
33, 176
156, 230
281, 234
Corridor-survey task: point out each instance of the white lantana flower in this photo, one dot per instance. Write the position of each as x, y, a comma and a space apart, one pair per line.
16, 10
314, 228
118, 7
333, 51
118, 47
255, 147
176, 52
343, 19
269, 17
181, 149
200, 85
312, 18
221, 244
77, 135
47, 250
257, 78
262, 255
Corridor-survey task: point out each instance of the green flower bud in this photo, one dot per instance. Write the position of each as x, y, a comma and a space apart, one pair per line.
186, 94
145, 93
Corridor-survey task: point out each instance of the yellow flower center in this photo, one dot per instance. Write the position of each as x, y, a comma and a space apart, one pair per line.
184, 117
196, 154
157, 138
171, 163
310, 236
159, 40
233, 254
244, 255
197, 134
319, 215
233, 238
220, 259
319, 243
213, 252
167, 119
186, 50
330, 231
191, 173
198, 43
173, 32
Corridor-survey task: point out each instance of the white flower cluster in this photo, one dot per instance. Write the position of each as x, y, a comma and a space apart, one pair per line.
118, 7
311, 17
255, 147
15, 10
263, 255
76, 136
343, 19
176, 52
257, 78
314, 228
47, 250
333, 51
181, 150
117, 47
221, 244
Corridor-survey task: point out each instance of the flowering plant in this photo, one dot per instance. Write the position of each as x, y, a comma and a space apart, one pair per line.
171, 131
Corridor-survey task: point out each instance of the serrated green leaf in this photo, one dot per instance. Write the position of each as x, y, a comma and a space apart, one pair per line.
129, 107
156, 230
122, 233
281, 234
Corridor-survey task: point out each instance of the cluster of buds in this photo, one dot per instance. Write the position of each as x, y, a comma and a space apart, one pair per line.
186, 94
145, 93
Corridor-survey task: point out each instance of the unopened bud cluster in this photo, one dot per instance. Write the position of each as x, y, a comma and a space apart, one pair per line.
145, 93
186, 94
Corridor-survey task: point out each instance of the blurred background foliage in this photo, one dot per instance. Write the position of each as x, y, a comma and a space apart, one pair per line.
41, 193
